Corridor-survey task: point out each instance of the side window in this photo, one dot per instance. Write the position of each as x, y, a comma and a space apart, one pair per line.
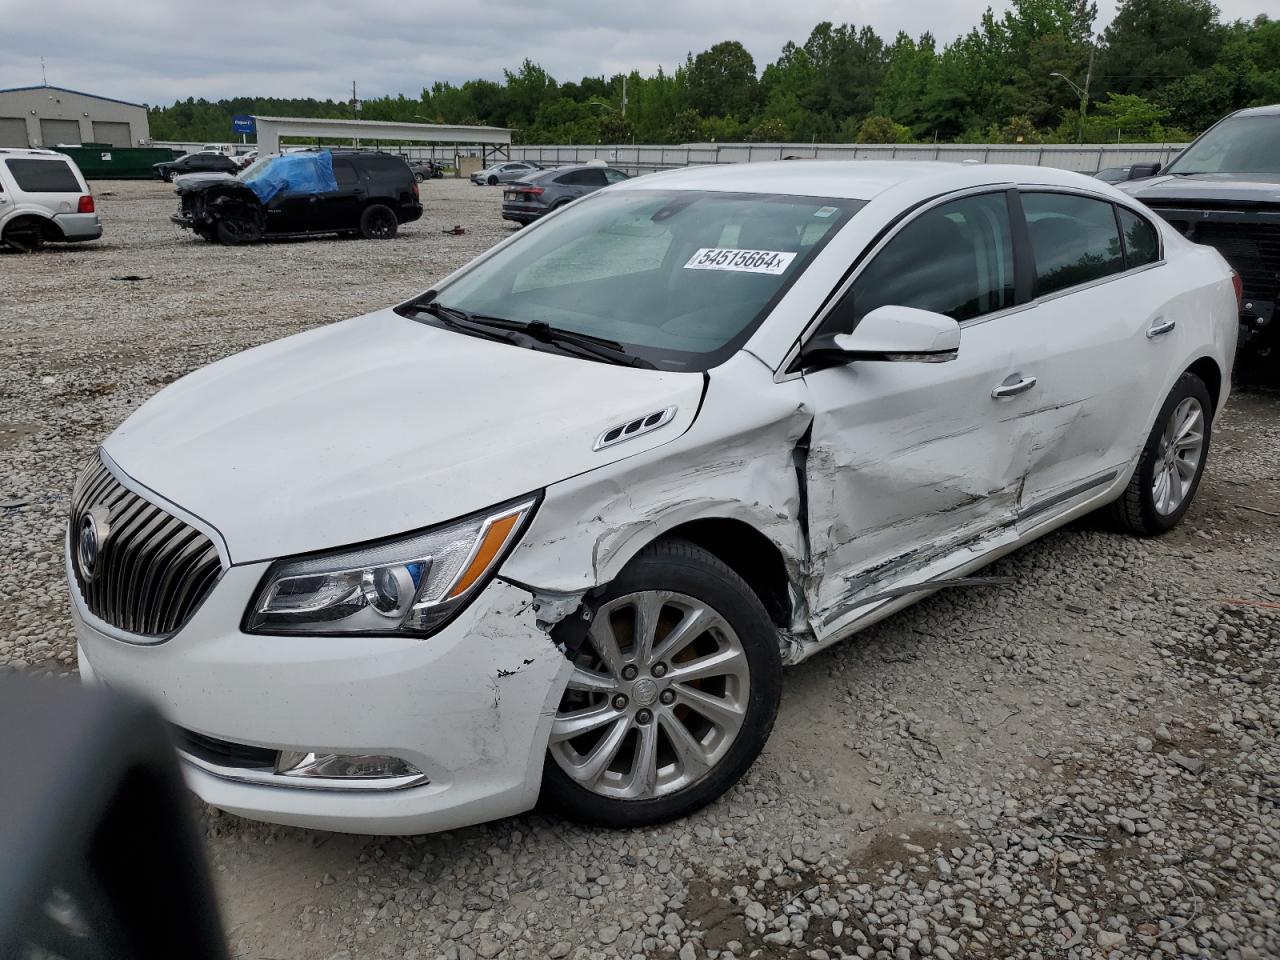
44, 176
615, 176
1141, 242
575, 178
345, 174
956, 259
1075, 239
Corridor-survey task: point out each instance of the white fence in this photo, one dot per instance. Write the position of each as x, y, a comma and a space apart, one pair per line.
1084, 158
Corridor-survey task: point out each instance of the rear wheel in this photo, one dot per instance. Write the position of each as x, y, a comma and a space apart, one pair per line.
673, 693
1172, 462
378, 222
25, 235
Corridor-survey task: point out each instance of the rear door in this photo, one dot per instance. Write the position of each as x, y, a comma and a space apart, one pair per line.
342, 207
1091, 332
911, 464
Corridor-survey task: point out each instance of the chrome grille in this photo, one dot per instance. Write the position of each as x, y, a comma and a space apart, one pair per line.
139, 568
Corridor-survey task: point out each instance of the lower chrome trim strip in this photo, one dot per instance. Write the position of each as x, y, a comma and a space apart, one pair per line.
269, 778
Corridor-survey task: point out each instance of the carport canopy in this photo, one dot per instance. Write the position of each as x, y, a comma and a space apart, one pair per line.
493, 141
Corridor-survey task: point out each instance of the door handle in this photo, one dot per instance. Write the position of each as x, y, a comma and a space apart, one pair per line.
1011, 387
1159, 328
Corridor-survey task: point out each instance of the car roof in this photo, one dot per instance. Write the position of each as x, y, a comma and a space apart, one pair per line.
30, 152
851, 179
1270, 110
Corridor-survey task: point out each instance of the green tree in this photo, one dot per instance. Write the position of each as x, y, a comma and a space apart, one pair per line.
1151, 43
877, 129
722, 81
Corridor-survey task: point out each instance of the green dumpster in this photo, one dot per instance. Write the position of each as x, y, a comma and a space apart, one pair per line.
103, 162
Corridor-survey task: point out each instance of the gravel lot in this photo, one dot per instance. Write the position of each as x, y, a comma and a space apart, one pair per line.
1081, 764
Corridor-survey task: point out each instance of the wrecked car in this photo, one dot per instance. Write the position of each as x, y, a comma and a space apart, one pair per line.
350, 193
1224, 191
552, 529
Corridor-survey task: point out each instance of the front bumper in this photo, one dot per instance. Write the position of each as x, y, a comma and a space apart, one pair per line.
470, 707
79, 226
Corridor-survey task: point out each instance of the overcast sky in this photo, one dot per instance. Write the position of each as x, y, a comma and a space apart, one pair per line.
156, 51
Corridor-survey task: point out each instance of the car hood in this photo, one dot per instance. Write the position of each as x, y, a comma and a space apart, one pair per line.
380, 425
189, 182
1206, 186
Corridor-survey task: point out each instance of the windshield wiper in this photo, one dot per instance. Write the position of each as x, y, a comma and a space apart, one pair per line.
599, 348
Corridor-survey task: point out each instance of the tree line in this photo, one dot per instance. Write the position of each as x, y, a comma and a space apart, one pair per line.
1162, 70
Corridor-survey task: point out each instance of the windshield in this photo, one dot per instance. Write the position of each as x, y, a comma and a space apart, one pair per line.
678, 278
1236, 145
255, 169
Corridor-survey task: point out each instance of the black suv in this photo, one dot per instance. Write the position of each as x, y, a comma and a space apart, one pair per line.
1224, 191
347, 192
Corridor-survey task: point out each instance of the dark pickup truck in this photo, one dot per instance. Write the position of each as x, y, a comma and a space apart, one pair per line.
1224, 191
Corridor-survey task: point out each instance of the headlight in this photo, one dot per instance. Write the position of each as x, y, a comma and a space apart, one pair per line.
411, 585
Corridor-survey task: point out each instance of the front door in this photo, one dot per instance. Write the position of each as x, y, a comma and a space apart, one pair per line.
911, 463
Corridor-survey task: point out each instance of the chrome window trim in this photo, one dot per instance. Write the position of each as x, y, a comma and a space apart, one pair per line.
781, 375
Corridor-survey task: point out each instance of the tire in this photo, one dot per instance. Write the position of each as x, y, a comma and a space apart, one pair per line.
26, 235
1151, 505
493, 181
671, 580
378, 222
419, 178
234, 231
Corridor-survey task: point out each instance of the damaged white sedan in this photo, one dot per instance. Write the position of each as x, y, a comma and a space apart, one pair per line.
552, 529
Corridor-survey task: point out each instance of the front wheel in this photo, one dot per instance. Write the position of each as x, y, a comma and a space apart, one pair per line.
493, 181
673, 693
1172, 462
234, 231
378, 222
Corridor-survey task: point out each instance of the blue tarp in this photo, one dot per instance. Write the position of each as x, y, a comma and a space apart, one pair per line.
294, 173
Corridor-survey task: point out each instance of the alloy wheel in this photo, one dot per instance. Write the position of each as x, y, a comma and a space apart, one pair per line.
657, 697
1178, 456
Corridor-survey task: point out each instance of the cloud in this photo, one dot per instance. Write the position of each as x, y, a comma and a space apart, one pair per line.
156, 52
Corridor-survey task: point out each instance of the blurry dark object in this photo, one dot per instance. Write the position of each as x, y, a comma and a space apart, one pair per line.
100, 859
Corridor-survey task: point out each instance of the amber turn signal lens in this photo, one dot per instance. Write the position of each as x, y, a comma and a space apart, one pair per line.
494, 538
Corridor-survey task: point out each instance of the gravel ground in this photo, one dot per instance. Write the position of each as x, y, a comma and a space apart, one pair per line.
1080, 764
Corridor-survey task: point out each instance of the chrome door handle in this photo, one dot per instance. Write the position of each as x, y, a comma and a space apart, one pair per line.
1012, 389
1160, 328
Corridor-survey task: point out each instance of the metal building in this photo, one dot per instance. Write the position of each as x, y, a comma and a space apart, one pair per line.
49, 116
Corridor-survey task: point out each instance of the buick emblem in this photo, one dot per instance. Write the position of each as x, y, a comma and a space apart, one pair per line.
93, 532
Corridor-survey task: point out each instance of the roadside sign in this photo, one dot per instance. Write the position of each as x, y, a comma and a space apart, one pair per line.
243, 124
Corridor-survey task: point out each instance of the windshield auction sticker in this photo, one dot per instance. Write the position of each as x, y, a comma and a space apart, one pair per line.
741, 261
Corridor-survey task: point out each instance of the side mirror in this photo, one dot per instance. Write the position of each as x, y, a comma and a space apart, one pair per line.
889, 333
1140, 171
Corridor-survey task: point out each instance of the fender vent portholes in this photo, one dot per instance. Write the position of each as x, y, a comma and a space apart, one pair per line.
634, 428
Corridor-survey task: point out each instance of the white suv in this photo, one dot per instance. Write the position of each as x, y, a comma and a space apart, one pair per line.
44, 198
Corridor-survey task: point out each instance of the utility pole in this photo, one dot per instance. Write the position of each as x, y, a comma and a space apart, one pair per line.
1084, 96
624, 94
44, 75
355, 109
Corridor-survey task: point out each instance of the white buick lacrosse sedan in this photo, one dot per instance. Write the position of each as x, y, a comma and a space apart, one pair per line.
551, 530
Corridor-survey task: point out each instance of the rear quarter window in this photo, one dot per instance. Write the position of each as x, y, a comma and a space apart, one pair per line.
1141, 242
44, 176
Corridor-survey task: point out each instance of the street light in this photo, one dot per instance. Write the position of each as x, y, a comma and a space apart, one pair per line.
1083, 94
